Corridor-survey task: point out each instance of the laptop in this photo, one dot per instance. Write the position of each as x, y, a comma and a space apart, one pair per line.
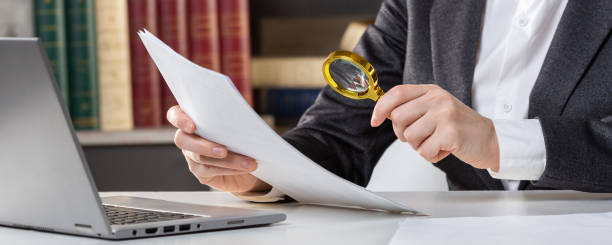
45, 182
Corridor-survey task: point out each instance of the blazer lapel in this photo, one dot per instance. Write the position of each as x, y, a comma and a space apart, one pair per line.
455, 36
581, 31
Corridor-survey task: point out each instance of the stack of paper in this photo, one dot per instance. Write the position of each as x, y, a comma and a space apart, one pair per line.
222, 115
582, 229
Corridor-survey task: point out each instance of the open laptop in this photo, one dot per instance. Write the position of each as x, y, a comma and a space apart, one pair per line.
45, 181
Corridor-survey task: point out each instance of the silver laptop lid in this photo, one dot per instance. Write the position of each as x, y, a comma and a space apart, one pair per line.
44, 180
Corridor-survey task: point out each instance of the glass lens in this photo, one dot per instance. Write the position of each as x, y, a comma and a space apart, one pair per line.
348, 75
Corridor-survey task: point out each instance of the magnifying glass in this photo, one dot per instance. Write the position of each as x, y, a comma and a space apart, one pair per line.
351, 75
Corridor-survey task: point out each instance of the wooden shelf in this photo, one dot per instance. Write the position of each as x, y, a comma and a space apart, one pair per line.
147, 136
153, 136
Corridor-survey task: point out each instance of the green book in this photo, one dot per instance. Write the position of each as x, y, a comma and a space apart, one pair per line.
50, 29
82, 64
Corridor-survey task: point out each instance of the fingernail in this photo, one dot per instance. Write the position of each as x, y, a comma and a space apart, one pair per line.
218, 151
246, 165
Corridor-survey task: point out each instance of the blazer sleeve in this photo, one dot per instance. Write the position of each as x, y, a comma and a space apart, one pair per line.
578, 153
335, 131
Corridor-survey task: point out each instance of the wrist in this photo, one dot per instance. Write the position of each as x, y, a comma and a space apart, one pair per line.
493, 156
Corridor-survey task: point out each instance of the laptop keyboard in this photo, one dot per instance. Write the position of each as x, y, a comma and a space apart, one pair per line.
122, 215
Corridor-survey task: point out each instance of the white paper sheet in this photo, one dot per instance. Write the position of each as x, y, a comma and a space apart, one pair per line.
583, 229
222, 115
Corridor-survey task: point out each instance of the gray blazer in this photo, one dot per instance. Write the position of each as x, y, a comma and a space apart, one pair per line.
427, 41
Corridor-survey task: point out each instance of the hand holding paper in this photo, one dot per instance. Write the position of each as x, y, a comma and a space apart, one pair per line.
211, 163
221, 115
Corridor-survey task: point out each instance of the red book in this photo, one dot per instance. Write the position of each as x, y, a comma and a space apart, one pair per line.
173, 31
236, 44
204, 34
145, 76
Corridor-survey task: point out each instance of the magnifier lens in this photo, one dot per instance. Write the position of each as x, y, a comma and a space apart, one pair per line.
351, 76
348, 75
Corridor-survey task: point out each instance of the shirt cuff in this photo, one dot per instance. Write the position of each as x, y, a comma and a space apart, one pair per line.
522, 152
274, 195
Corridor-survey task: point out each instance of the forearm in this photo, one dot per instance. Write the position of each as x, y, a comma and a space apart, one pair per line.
347, 151
353, 162
335, 131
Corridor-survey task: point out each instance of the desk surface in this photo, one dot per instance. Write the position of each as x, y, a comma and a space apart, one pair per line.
307, 224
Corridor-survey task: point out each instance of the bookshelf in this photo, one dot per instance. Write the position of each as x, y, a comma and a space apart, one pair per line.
147, 136
145, 159
136, 160
337, 13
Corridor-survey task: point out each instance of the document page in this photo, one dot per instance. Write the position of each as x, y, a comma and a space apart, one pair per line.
223, 116
583, 229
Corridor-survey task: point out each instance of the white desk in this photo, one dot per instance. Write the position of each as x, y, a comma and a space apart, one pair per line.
323, 225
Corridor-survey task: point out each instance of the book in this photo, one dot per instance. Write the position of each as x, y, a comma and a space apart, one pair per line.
16, 18
286, 104
236, 45
82, 64
353, 34
173, 31
302, 36
114, 75
146, 86
50, 26
204, 34
302, 72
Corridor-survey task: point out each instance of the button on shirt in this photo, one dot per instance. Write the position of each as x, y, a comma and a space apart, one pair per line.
515, 38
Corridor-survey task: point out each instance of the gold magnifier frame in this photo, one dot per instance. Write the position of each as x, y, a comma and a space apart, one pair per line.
374, 92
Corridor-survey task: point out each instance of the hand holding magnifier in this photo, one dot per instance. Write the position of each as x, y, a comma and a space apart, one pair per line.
352, 76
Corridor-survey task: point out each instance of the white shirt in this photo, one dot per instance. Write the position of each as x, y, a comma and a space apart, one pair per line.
515, 38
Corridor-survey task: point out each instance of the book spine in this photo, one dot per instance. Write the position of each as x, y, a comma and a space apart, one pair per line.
286, 72
235, 44
173, 31
204, 34
16, 18
82, 64
285, 104
114, 76
50, 28
146, 85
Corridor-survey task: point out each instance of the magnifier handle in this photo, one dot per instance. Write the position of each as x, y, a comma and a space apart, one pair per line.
378, 92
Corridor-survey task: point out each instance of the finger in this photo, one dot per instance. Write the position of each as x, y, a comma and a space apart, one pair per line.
431, 147
202, 171
395, 97
232, 161
398, 131
409, 112
404, 115
180, 119
420, 130
199, 145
